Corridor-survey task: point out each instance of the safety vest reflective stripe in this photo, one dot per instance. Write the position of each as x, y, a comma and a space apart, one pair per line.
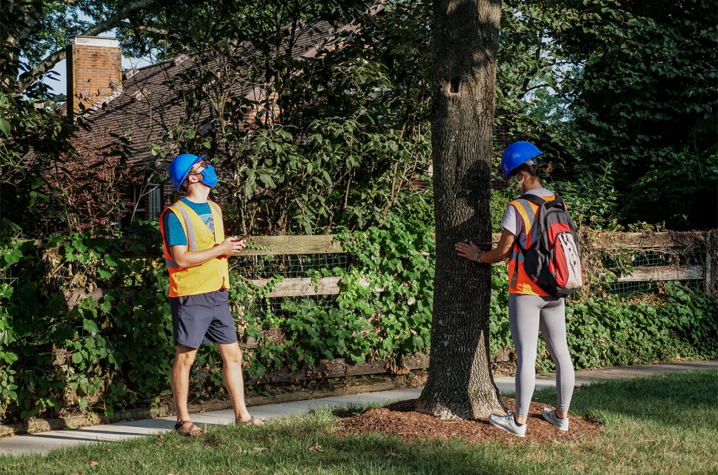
529, 218
191, 235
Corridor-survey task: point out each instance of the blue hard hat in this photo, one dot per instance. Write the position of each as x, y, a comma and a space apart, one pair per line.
180, 167
517, 154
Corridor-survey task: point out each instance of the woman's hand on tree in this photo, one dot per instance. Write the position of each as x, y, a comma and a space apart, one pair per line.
468, 251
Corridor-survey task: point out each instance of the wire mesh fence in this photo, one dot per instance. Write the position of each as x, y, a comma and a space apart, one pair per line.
643, 258
7, 277
664, 254
628, 289
275, 305
288, 265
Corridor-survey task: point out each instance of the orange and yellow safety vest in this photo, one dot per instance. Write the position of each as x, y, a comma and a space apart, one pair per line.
205, 278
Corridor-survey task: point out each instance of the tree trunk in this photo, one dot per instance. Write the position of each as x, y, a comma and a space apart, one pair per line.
465, 38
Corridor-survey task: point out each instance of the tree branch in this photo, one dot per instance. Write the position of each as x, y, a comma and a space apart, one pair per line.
114, 21
144, 29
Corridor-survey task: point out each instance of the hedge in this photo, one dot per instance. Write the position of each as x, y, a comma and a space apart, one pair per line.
118, 351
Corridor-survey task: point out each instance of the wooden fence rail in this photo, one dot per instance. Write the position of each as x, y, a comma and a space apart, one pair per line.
322, 244
327, 244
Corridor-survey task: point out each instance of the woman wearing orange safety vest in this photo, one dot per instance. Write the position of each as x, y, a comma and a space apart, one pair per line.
530, 307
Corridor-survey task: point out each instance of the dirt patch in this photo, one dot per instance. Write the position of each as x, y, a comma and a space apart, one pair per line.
400, 419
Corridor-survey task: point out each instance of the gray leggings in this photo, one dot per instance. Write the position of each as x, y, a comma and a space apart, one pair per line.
528, 313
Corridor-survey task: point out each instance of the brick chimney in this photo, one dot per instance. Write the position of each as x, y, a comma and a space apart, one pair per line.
94, 72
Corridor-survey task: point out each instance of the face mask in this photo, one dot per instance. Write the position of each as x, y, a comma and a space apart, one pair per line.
209, 177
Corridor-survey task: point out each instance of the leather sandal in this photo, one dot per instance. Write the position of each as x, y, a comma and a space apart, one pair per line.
193, 431
250, 422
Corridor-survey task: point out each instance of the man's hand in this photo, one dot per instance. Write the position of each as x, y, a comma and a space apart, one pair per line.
468, 251
185, 258
232, 245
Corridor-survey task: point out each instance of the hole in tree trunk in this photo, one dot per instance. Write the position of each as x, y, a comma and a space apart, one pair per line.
455, 85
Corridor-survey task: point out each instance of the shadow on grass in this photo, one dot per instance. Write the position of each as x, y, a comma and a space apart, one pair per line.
678, 399
312, 444
302, 445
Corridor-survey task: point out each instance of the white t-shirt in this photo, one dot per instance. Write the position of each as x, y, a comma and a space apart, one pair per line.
512, 221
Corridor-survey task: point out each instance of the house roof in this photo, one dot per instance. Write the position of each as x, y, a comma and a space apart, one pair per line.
149, 103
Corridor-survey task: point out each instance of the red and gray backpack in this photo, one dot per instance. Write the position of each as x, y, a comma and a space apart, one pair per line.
553, 261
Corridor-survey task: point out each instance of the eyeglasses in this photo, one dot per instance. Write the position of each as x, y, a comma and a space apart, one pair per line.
203, 164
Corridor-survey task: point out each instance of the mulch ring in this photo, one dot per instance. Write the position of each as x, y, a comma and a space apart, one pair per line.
400, 419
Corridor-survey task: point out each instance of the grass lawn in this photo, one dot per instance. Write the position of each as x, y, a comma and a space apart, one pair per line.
665, 424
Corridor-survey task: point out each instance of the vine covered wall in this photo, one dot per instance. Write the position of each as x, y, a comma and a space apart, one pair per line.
85, 323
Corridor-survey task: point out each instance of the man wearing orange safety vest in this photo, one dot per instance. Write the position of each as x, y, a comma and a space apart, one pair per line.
196, 253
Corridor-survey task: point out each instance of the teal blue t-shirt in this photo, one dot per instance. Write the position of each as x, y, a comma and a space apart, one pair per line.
175, 234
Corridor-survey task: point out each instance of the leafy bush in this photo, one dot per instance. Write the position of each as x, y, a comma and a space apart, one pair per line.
117, 352
613, 331
590, 196
500, 199
383, 311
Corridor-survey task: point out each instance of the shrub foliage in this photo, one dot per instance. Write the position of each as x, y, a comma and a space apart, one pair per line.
116, 352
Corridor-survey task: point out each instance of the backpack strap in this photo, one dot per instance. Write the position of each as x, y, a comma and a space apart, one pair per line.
541, 217
537, 200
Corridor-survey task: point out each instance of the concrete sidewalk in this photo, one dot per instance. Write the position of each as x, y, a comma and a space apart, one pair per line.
46, 441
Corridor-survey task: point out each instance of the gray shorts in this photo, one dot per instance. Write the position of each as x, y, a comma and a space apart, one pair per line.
202, 319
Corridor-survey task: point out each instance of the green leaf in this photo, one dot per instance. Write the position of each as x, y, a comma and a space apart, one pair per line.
90, 327
123, 308
37, 182
111, 260
6, 291
5, 126
13, 256
267, 180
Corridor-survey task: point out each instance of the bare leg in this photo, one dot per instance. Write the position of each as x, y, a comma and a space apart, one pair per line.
232, 372
184, 357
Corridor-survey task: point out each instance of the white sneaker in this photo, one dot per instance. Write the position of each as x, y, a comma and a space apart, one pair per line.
508, 424
550, 415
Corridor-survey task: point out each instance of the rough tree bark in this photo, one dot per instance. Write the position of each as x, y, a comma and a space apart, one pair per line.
465, 40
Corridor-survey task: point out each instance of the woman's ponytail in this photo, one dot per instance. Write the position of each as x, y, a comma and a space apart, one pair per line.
535, 171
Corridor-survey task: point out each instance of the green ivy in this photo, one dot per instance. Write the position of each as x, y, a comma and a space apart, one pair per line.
383, 310
613, 331
118, 351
